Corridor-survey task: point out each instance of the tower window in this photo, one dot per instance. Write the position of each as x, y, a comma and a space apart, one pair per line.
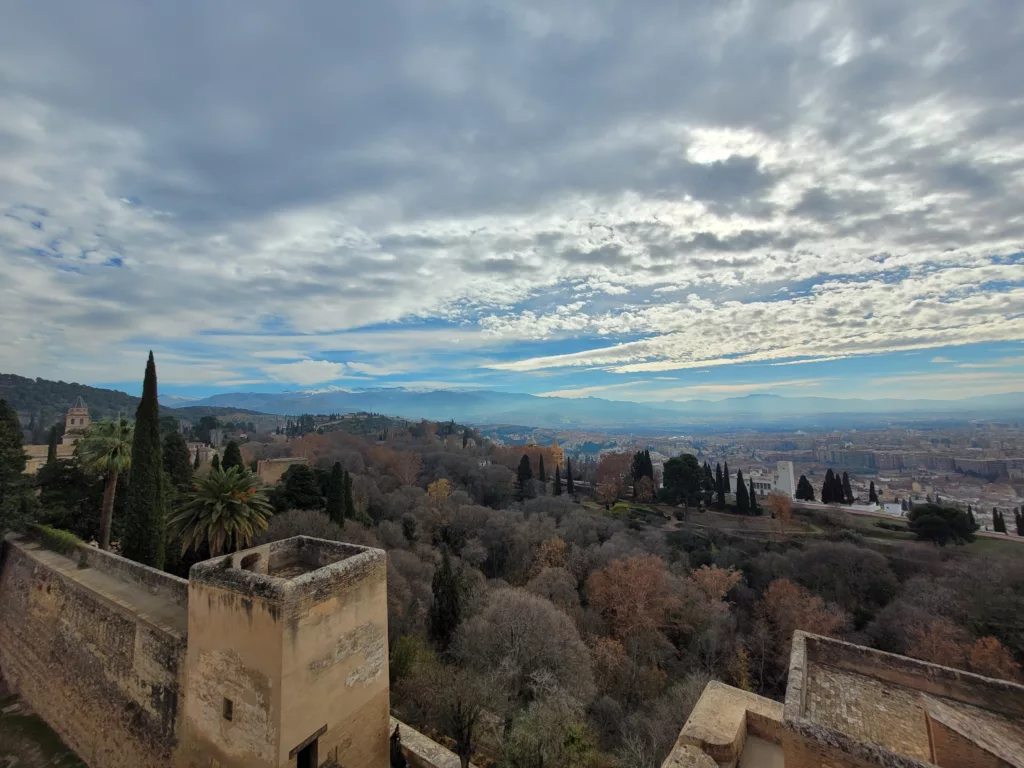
229, 709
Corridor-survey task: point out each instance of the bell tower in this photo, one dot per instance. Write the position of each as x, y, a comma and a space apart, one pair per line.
75, 422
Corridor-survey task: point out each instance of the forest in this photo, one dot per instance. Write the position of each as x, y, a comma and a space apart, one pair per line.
533, 628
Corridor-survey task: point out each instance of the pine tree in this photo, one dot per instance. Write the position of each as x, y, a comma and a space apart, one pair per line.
215, 461
725, 478
446, 608
872, 495
804, 489
569, 487
541, 475
145, 504
742, 497
719, 486
232, 457
847, 490
754, 508
51, 448
350, 506
336, 494
176, 461
557, 490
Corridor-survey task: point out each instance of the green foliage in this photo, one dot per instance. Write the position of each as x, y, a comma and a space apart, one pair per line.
145, 508
804, 489
177, 462
72, 498
350, 505
50, 400
557, 489
17, 503
51, 446
232, 457
224, 511
872, 493
408, 654
570, 488
215, 462
298, 489
106, 449
847, 490
941, 525
742, 495
683, 477
446, 608
719, 486
336, 494
541, 476
62, 542
752, 499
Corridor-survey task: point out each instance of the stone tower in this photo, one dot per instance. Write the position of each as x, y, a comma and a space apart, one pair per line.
75, 422
287, 661
558, 454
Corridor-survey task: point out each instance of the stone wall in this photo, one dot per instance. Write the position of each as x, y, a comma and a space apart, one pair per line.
951, 750
105, 678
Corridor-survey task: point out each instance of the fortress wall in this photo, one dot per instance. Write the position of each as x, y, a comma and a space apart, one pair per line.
157, 583
104, 678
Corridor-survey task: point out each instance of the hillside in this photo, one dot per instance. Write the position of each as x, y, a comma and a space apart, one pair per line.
41, 402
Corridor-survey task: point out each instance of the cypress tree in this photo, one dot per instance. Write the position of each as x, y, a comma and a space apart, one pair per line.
350, 507
51, 448
144, 509
16, 497
719, 486
804, 489
176, 461
828, 487
1018, 520
725, 479
569, 487
995, 519
336, 494
754, 509
446, 608
195, 464
524, 474
558, 482
970, 514
872, 495
541, 475
215, 461
232, 457
847, 490
742, 497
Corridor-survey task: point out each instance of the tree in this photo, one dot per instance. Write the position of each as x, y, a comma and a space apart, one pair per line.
232, 457
827, 488
336, 494
106, 449
524, 474
453, 700
16, 497
225, 510
632, 595
725, 479
557, 488
1018, 520
872, 495
781, 508
51, 446
941, 525
569, 487
145, 506
177, 462
299, 489
215, 461
847, 490
719, 486
72, 499
754, 508
195, 464
446, 608
541, 476
804, 489
682, 479
350, 507
439, 491
742, 495
997, 521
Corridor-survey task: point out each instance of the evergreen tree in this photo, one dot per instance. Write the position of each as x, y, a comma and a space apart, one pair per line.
804, 489
828, 487
541, 475
465, 438
754, 508
17, 501
847, 490
145, 505
996, 521
872, 495
232, 457
336, 494
176, 461
195, 464
51, 447
215, 461
719, 486
569, 487
970, 514
1018, 520
725, 478
557, 490
742, 496
524, 474
350, 507
446, 608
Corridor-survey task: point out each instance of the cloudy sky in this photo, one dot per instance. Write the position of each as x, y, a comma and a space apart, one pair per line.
656, 200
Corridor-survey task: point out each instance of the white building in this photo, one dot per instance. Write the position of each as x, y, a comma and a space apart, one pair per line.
780, 480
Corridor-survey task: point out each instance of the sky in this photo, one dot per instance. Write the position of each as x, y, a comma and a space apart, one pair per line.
672, 199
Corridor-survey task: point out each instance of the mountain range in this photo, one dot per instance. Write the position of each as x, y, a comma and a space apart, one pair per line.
491, 407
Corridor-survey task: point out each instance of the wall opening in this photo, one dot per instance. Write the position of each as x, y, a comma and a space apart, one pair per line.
251, 562
229, 709
307, 757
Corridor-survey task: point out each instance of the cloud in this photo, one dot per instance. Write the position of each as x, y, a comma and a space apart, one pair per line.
423, 190
1005, 362
940, 359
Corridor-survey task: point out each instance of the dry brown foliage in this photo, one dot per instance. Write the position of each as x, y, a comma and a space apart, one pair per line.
633, 594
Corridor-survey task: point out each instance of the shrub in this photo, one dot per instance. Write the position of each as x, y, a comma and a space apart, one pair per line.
62, 542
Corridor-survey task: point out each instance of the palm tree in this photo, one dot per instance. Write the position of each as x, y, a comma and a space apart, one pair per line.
106, 448
225, 509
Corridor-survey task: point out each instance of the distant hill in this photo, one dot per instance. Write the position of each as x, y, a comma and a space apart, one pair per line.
490, 407
41, 402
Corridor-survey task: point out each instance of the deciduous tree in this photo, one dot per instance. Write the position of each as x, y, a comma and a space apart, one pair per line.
781, 507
